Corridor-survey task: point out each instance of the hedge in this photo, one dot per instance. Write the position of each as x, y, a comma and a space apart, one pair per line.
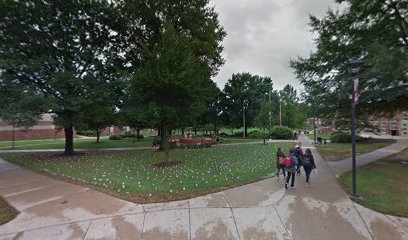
281, 132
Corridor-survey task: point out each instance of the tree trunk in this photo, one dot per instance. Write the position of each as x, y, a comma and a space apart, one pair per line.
13, 139
98, 135
195, 131
182, 131
138, 134
69, 140
246, 131
264, 137
164, 143
232, 131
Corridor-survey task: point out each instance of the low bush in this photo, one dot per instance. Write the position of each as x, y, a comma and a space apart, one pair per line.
238, 134
88, 133
131, 135
115, 137
256, 134
223, 134
127, 135
340, 138
280, 132
345, 138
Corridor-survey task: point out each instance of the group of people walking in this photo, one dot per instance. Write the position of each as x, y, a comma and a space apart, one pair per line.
292, 164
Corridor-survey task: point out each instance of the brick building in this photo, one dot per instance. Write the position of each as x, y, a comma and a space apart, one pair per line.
45, 129
394, 125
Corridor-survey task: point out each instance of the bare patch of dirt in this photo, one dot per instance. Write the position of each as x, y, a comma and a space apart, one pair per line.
396, 160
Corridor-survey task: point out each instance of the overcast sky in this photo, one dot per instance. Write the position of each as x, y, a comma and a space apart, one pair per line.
263, 35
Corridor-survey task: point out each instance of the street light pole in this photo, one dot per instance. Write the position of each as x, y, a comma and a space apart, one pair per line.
243, 116
280, 111
354, 68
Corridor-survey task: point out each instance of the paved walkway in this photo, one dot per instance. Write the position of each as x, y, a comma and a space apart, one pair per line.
345, 165
51, 209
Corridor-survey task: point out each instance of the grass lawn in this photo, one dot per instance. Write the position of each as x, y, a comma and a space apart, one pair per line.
383, 184
132, 176
78, 143
340, 151
7, 212
90, 143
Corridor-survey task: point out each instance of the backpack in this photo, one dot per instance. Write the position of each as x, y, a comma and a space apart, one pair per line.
288, 162
298, 153
307, 161
281, 160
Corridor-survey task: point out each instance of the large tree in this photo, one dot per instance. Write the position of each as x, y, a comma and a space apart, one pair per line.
67, 50
374, 31
293, 115
173, 84
16, 104
244, 94
147, 19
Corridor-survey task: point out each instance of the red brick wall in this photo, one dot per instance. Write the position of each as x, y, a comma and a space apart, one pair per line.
33, 134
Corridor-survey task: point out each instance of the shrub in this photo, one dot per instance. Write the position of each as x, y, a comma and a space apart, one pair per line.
88, 133
115, 137
280, 132
256, 134
127, 135
131, 135
343, 138
223, 134
238, 134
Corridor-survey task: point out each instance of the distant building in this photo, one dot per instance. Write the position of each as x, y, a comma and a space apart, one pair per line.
44, 129
394, 125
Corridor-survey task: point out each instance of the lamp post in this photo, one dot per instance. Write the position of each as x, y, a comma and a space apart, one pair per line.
280, 110
354, 66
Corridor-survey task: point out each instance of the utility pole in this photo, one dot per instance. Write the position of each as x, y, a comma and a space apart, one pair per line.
243, 116
314, 129
280, 111
270, 113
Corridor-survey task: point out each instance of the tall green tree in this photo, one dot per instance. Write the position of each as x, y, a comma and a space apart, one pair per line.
265, 118
173, 83
64, 49
244, 94
293, 115
16, 105
99, 117
147, 19
374, 31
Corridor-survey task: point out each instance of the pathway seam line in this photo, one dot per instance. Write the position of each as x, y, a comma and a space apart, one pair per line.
283, 224
235, 222
365, 224
87, 229
189, 219
144, 219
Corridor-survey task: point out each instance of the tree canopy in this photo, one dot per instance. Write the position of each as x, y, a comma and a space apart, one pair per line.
374, 31
245, 92
64, 50
173, 84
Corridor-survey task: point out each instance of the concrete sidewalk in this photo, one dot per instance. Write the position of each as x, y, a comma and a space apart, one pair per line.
345, 165
51, 209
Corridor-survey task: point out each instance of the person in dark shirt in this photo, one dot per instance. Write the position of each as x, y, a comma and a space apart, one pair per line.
291, 169
308, 164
